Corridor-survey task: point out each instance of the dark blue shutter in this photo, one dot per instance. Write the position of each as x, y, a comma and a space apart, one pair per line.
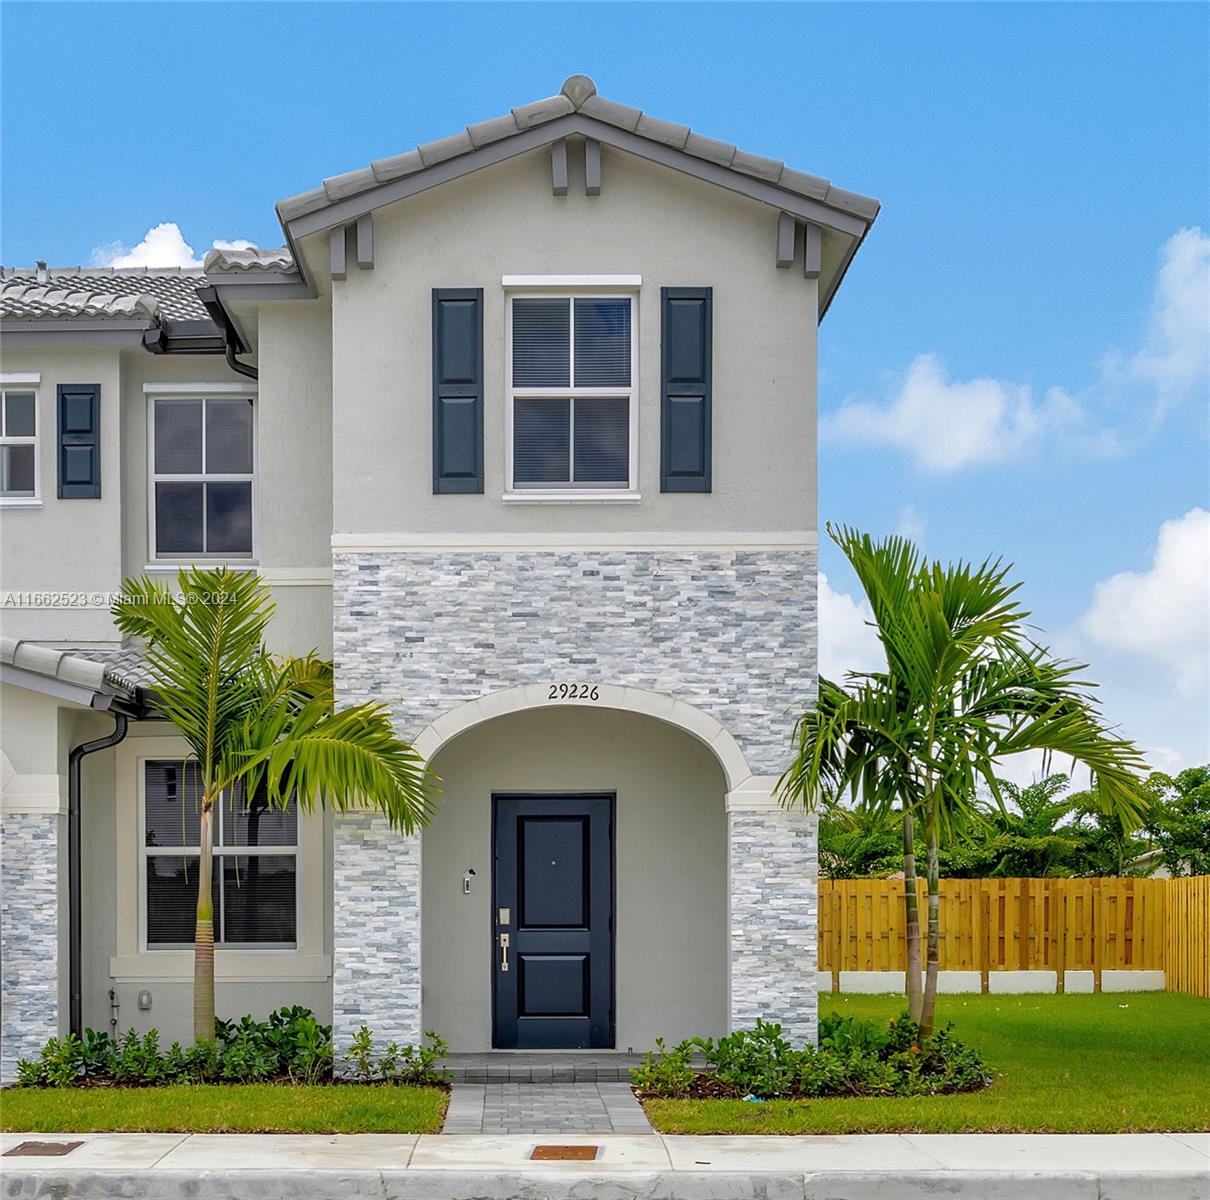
457, 389
79, 441
686, 320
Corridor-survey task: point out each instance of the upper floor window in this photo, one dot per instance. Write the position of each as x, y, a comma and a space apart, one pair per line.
18, 443
255, 877
202, 475
572, 387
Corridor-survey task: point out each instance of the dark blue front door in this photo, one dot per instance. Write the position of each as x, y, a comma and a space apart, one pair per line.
552, 931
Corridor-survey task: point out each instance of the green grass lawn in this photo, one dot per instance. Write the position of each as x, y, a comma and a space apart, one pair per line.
229, 1108
1134, 1062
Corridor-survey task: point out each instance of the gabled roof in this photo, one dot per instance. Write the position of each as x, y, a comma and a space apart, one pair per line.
134, 294
578, 95
843, 218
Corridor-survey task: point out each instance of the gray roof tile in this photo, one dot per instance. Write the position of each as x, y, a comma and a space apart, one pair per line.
114, 293
349, 184
255, 258
446, 147
612, 113
386, 169
121, 669
303, 203
578, 94
710, 148
484, 132
757, 165
804, 184
541, 111
662, 131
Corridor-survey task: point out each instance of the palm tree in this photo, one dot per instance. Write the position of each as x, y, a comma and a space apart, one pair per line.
964, 686
259, 724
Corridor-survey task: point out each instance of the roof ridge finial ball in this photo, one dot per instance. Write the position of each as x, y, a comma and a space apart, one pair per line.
578, 88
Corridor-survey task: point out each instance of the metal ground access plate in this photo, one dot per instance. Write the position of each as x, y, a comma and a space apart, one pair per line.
566, 1153
41, 1149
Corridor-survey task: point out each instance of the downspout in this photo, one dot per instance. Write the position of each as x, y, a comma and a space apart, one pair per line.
75, 907
232, 344
235, 364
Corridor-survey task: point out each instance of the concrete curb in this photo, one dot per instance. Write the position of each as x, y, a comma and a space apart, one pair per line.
659, 1185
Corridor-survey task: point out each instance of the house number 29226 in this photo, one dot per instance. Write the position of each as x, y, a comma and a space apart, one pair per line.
574, 691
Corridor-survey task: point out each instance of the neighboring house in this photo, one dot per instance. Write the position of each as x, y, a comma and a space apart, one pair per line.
519, 426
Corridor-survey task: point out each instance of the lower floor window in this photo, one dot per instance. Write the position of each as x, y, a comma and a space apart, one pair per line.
255, 871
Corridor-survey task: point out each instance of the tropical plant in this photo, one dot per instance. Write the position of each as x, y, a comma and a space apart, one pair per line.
1180, 824
853, 1058
259, 724
964, 686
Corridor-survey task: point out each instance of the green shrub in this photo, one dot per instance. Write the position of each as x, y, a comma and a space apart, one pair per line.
853, 1058
666, 1072
759, 1061
289, 1046
397, 1064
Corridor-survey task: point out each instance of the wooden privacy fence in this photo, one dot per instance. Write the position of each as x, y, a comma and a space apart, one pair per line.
1028, 924
1187, 935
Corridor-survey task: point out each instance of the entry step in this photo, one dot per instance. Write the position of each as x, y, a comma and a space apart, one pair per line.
509, 1066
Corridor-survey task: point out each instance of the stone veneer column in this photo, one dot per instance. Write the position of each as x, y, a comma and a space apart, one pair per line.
376, 934
31, 831
773, 911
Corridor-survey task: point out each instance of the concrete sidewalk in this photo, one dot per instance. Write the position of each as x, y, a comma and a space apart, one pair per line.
482, 1167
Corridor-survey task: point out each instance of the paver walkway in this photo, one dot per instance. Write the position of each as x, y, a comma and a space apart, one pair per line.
544, 1108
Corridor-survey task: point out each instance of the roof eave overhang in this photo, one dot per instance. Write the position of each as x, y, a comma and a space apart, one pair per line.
260, 285
805, 208
80, 330
103, 699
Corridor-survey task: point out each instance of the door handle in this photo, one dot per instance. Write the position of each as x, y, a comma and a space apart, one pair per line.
504, 952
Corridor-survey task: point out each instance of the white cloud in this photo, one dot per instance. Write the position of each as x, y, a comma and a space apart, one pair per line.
162, 246
847, 639
1162, 615
946, 424
1175, 357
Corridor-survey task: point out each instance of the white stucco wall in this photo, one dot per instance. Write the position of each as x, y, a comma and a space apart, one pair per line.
90, 545
649, 220
670, 844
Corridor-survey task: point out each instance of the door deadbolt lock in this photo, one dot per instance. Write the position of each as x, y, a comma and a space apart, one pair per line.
504, 952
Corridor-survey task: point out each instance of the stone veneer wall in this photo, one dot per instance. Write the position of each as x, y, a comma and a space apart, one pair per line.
29, 935
376, 935
773, 927
731, 632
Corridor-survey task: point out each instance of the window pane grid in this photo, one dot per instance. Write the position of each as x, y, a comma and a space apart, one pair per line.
259, 883
203, 511
592, 339
18, 443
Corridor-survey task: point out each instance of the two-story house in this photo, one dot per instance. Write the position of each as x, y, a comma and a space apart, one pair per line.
520, 427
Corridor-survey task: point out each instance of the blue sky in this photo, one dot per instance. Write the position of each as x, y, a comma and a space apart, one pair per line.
1016, 364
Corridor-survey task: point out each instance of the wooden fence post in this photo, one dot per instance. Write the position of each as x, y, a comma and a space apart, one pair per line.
1096, 949
1059, 918
985, 949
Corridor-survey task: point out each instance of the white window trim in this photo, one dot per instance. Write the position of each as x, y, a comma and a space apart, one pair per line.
23, 383
583, 289
135, 962
628, 283
200, 391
